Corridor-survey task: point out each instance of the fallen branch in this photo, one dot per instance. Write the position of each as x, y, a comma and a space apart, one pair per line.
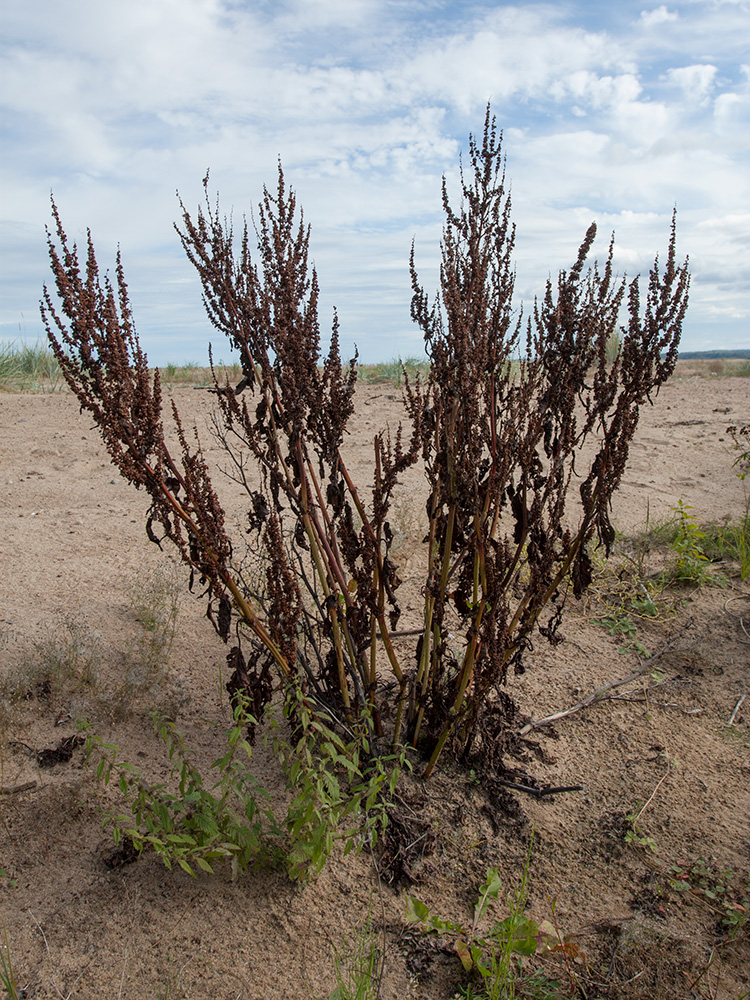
539, 793
651, 797
602, 693
14, 789
737, 707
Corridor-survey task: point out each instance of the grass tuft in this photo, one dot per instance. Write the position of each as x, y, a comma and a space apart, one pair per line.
393, 370
28, 368
7, 975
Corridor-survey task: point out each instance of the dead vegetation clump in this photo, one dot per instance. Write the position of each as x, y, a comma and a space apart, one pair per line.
501, 443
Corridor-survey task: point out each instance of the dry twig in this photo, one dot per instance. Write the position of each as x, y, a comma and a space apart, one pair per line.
602, 693
737, 707
14, 789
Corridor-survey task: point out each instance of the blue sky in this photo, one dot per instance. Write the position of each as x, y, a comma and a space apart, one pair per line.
613, 112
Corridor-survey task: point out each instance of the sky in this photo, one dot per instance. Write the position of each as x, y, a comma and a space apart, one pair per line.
611, 112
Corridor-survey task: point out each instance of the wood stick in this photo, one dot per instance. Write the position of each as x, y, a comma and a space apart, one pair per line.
737, 707
538, 793
12, 789
601, 694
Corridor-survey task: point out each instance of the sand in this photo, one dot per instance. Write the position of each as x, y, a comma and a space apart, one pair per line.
73, 551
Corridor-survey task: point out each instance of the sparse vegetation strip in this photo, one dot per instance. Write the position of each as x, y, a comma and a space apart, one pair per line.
28, 367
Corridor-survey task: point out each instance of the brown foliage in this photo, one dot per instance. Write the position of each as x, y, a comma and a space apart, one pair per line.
501, 439
500, 422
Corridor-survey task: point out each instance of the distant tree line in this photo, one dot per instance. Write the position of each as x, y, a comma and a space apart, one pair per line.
709, 355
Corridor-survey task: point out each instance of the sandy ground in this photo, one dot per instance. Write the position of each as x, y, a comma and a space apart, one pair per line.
73, 551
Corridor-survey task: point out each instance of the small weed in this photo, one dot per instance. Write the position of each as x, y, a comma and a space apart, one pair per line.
332, 781
618, 625
7, 975
358, 968
696, 547
621, 625
67, 664
11, 883
65, 669
645, 605
193, 826
634, 647
498, 957
730, 542
627, 593
154, 600
722, 889
634, 836
692, 565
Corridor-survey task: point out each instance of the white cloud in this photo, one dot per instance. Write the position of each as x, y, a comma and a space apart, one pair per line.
696, 82
515, 53
659, 15
598, 91
732, 113
302, 15
368, 102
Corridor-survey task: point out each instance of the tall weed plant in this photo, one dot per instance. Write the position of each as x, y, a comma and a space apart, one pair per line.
498, 421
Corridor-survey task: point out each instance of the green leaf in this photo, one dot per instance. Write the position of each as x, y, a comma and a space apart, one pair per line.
464, 953
520, 933
181, 838
489, 890
445, 926
482, 968
416, 911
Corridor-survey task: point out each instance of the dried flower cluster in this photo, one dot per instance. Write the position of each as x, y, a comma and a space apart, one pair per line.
499, 422
502, 430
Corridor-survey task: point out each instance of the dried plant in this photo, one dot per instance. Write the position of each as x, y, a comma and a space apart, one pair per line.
501, 441
500, 429
97, 347
330, 585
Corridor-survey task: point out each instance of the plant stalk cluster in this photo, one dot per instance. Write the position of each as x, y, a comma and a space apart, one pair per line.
523, 426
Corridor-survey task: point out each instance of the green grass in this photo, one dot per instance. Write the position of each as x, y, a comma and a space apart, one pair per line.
359, 965
729, 542
713, 367
188, 373
393, 370
34, 368
694, 547
7, 975
739, 367
28, 368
